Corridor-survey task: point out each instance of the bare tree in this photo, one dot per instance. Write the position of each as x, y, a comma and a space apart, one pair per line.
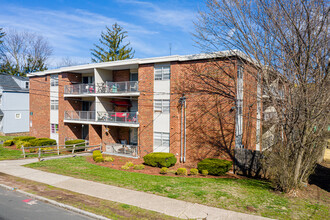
23, 52
287, 41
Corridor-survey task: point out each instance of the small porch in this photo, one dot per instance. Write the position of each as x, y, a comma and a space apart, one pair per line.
120, 141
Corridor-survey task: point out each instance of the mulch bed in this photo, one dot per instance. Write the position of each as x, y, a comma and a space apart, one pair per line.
121, 161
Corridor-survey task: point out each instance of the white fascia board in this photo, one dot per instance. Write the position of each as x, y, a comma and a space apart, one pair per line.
138, 61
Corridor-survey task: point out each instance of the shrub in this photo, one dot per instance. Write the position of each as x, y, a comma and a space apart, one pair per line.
181, 171
19, 144
125, 167
129, 164
24, 138
77, 141
96, 153
99, 159
8, 143
139, 167
163, 170
108, 159
205, 172
193, 171
160, 159
214, 166
42, 142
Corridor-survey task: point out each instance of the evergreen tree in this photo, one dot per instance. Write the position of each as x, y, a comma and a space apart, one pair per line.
111, 48
2, 34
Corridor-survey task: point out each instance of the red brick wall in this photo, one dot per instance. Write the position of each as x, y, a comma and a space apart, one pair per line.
121, 75
145, 105
95, 134
40, 106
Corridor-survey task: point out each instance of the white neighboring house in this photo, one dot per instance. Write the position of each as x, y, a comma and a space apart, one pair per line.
14, 104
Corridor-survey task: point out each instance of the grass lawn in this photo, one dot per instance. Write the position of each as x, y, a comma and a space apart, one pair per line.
243, 195
109, 209
9, 154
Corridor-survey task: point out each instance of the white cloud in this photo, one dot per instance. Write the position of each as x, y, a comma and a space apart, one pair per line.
180, 18
70, 32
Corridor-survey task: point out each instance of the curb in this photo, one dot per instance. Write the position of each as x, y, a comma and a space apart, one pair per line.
68, 207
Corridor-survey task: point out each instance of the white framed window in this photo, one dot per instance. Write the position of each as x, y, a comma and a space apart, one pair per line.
27, 85
18, 115
53, 104
54, 80
162, 139
54, 128
162, 105
162, 72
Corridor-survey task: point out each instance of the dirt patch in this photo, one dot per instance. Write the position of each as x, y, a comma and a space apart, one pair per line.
88, 203
121, 161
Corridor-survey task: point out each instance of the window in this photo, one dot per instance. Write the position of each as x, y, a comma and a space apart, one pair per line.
54, 80
162, 139
18, 116
162, 72
26, 85
53, 104
54, 128
162, 105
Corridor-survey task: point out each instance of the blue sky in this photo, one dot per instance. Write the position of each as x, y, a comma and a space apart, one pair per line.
72, 27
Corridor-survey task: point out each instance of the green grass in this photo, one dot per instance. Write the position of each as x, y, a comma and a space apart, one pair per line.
9, 154
232, 194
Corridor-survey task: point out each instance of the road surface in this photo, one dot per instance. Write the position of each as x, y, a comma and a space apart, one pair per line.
16, 206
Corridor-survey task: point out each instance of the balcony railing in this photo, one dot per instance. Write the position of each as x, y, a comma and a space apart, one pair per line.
122, 149
120, 117
116, 117
102, 88
79, 115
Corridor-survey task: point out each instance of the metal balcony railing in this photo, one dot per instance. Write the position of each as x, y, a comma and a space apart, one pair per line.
119, 117
122, 149
79, 115
101, 88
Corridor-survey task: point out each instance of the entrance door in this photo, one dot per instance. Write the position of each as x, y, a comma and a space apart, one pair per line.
85, 129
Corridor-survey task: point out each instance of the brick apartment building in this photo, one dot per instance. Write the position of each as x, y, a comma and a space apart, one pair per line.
134, 107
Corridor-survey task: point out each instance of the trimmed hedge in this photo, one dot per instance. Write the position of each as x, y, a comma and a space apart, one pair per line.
8, 143
99, 159
160, 159
70, 142
163, 170
42, 142
24, 138
214, 166
193, 171
181, 172
138, 167
96, 153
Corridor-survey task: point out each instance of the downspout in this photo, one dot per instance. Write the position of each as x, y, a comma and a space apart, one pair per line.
181, 133
185, 119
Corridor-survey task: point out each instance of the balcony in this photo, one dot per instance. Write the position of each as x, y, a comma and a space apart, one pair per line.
121, 119
128, 88
122, 150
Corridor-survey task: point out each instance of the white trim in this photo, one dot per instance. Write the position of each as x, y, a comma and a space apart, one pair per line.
104, 94
133, 63
103, 123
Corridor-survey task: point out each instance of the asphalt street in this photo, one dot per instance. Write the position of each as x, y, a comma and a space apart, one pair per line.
16, 206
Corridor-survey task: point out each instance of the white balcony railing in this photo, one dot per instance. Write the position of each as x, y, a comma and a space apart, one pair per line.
102, 88
79, 115
118, 117
122, 149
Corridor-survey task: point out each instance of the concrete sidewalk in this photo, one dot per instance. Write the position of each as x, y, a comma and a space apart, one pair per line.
143, 200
